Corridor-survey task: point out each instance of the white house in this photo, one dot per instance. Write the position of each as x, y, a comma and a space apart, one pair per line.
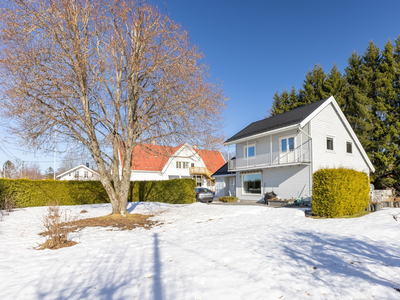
156, 162
282, 152
80, 172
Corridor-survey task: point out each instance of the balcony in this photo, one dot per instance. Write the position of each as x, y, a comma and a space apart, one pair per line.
296, 156
200, 171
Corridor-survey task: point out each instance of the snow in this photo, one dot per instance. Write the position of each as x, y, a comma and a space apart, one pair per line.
205, 252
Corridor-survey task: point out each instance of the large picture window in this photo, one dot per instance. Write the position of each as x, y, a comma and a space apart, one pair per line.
252, 184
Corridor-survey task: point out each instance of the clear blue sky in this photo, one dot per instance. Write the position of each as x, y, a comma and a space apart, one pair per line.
259, 47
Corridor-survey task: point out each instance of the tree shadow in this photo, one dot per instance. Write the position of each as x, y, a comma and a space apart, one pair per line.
339, 257
123, 274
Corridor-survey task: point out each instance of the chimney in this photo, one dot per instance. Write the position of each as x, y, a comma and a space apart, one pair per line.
153, 142
87, 165
194, 147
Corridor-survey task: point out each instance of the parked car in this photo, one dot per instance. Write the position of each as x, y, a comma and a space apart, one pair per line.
204, 195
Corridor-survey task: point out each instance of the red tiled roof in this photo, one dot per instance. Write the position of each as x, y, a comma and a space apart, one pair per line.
151, 157
154, 157
212, 159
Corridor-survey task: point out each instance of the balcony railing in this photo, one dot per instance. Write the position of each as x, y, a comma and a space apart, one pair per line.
268, 159
200, 171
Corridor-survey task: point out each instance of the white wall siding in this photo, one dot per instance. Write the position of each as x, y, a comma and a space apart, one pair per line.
328, 123
287, 182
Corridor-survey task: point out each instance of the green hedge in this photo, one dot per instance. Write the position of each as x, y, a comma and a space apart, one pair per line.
339, 192
28, 193
228, 199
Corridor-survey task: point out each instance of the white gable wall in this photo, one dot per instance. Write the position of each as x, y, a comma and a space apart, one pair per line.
328, 123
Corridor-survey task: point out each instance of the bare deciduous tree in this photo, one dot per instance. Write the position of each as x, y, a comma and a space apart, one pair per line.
109, 74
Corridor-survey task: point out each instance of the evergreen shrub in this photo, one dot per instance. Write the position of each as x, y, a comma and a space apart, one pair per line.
228, 199
339, 192
28, 193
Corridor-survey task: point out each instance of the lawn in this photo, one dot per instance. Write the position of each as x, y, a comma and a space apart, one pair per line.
200, 251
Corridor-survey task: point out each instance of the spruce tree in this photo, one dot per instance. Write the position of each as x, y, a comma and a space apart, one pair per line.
355, 104
314, 86
335, 85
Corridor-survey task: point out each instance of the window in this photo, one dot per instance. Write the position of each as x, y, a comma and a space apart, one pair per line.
85, 174
185, 165
192, 165
349, 147
252, 184
250, 151
178, 165
76, 174
287, 144
329, 143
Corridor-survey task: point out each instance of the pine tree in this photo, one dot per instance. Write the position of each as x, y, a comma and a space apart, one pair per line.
276, 108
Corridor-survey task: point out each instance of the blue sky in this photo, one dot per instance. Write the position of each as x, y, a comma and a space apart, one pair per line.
259, 47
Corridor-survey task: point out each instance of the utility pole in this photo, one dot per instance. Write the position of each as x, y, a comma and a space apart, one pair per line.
55, 154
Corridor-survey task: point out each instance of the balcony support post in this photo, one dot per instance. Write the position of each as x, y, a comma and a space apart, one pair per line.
270, 150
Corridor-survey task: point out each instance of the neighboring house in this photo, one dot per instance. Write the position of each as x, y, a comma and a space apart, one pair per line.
156, 162
79, 173
282, 152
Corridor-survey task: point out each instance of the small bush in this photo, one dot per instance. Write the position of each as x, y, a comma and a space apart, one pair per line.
56, 229
339, 192
228, 199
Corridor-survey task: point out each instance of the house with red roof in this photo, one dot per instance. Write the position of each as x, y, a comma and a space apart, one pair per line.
157, 162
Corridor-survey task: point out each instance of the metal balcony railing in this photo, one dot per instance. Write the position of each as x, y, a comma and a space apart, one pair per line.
267, 159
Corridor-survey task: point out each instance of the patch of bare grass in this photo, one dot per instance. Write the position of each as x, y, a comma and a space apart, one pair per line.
59, 224
84, 211
129, 222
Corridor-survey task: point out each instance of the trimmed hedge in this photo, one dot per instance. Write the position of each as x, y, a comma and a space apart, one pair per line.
339, 192
28, 193
228, 199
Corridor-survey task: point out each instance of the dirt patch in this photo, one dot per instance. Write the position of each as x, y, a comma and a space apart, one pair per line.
129, 222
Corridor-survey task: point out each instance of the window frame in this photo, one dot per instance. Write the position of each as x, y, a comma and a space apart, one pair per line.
287, 143
245, 151
333, 143
351, 147
178, 164
243, 186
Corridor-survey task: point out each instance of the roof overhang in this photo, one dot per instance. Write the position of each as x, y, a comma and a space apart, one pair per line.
73, 169
266, 133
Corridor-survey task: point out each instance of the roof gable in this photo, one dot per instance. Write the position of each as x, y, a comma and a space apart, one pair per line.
149, 157
291, 117
77, 167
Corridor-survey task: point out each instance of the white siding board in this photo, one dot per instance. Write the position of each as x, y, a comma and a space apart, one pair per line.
287, 182
328, 123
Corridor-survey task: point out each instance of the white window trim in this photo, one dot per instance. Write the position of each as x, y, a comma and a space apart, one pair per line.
255, 173
333, 141
352, 148
245, 152
287, 138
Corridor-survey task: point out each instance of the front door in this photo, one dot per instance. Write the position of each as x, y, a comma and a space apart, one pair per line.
232, 186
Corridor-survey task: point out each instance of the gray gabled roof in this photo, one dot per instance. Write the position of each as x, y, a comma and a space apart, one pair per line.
291, 117
223, 170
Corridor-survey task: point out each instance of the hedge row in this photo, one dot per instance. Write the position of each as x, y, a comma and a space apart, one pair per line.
27, 193
339, 192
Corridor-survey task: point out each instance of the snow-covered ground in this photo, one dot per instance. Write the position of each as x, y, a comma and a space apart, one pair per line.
206, 252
